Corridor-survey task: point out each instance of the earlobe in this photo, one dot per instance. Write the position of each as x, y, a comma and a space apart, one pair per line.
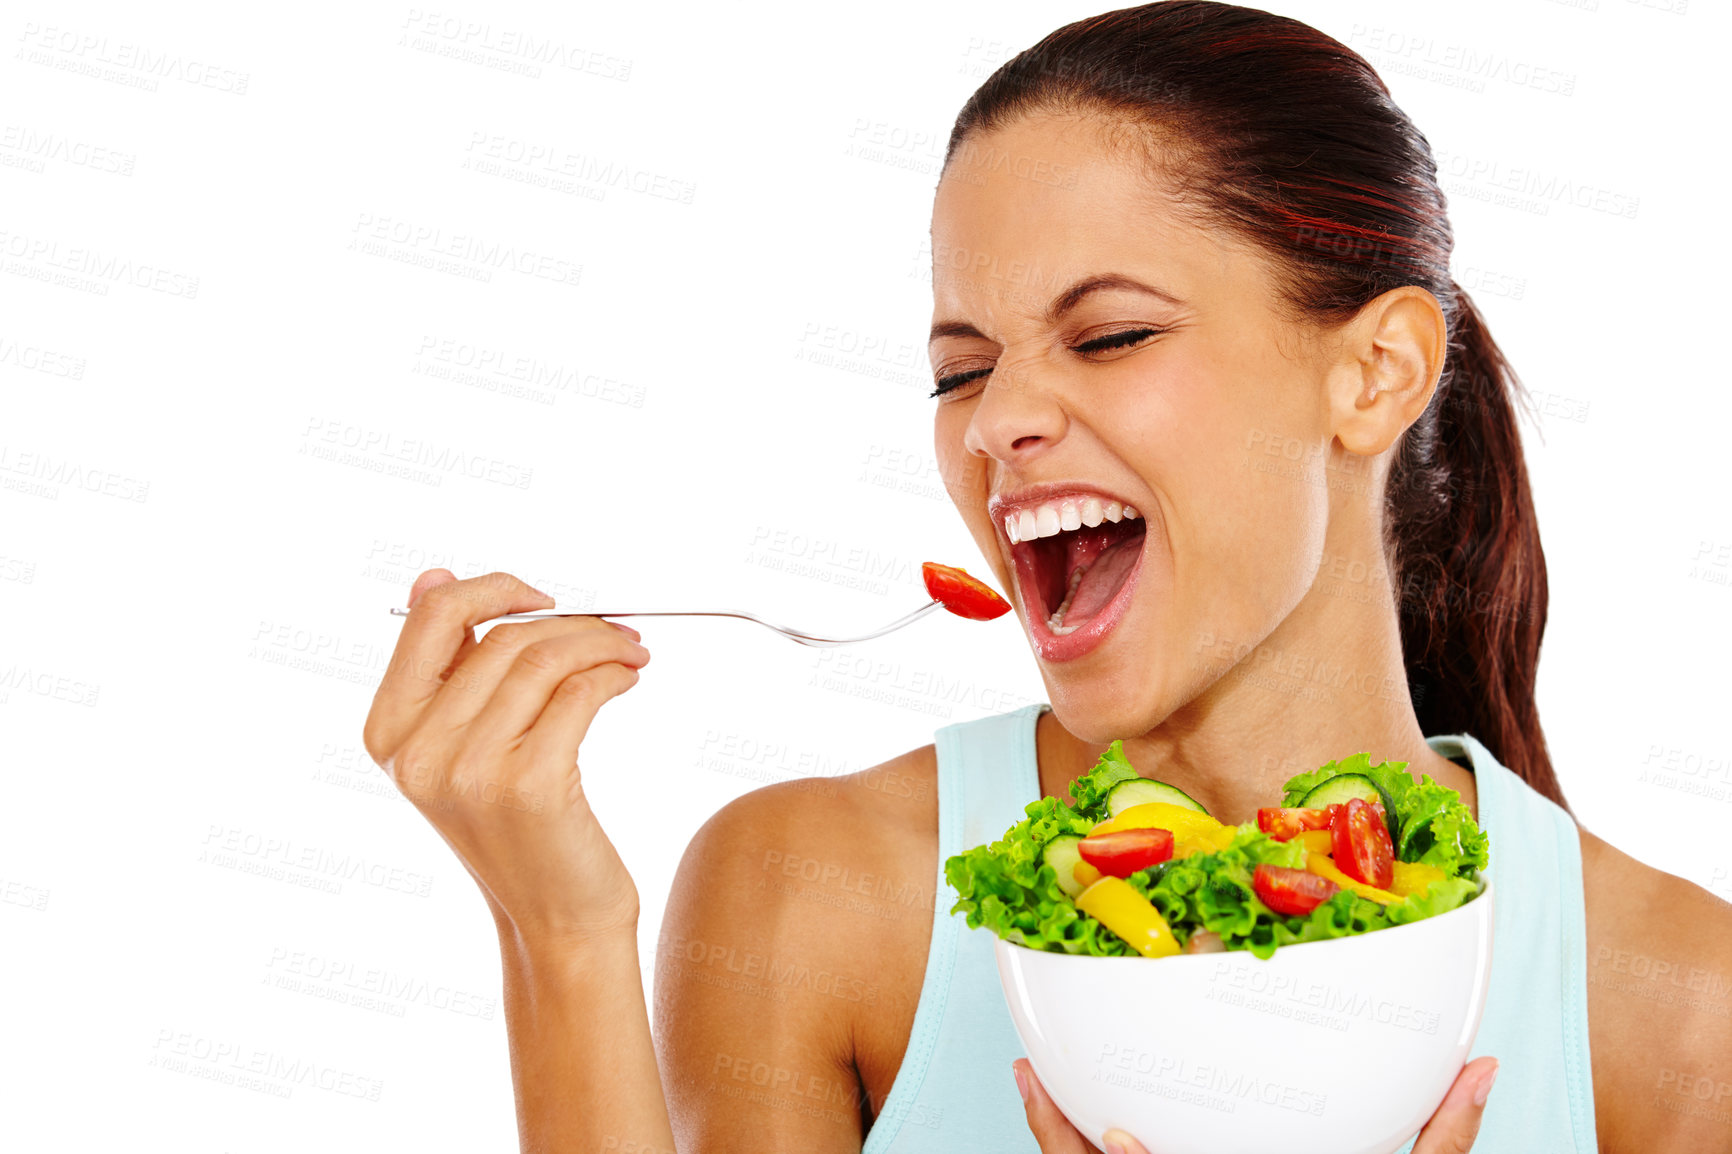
1391, 356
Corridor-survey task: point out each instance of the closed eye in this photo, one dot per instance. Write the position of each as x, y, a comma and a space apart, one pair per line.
956, 380
1116, 341
1120, 340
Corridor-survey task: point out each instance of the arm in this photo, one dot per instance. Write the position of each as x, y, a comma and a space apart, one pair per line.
483, 738
582, 1063
1659, 1006
791, 959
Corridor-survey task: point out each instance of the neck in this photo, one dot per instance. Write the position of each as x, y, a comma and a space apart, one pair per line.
1328, 682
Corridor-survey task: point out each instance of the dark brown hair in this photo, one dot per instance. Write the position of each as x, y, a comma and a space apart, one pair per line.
1290, 139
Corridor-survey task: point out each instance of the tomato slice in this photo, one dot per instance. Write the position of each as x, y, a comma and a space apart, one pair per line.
1283, 824
1293, 893
963, 595
1363, 850
1123, 853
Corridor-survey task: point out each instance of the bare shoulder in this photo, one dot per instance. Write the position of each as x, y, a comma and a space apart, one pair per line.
824, 831
791, 957
1659, 1005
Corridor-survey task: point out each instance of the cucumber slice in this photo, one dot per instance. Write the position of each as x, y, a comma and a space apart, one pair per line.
1340, 789
1061, 854
1142, 790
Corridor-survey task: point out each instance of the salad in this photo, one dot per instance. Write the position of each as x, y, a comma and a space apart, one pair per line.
1135, 866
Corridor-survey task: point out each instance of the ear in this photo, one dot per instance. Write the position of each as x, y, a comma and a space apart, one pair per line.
1389, 359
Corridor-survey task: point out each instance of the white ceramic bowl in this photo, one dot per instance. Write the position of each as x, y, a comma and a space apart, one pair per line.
1343, 1046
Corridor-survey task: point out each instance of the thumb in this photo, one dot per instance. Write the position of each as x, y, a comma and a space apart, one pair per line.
1045, 1121
1456, 1124
429, 580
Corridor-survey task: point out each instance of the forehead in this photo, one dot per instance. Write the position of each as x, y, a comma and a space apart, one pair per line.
1044, 201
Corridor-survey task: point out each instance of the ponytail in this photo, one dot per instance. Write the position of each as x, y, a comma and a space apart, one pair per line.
1467, 555
1289, 138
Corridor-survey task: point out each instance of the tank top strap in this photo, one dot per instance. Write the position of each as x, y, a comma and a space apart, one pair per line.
1536, 1014
954, 1090
987, 776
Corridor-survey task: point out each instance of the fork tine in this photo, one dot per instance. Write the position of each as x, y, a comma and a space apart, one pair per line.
890, 628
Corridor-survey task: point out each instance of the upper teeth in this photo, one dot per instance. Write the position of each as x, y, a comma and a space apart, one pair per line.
1050, 518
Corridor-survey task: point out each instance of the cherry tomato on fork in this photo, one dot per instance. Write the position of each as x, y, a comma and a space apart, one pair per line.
1123, 853
1290, 892
1363, 850
963, 595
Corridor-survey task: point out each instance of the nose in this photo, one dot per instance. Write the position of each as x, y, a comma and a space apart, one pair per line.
1014, 419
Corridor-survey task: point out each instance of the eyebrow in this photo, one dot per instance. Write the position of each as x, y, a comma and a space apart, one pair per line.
1064, 302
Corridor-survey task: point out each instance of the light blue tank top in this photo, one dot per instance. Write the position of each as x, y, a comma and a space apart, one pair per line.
955, 1091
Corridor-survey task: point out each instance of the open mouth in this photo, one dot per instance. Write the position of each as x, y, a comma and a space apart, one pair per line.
1074, 555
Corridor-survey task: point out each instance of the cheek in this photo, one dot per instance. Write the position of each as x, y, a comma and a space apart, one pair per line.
961, 471
1236, 452
965, 476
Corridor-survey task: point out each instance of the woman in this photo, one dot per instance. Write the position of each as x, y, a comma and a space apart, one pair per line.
1199, 361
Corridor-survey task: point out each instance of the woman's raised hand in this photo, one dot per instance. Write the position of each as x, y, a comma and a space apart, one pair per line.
483, 737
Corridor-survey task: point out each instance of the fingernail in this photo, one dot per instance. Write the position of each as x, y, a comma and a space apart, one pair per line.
1022, 1083
1114, 1141
415, 588
627, 630
1484, 1091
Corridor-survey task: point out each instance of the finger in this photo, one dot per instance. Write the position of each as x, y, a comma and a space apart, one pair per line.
427, 581
441, 619
1048, 1124
1456, 1124
560, 730
1116, 1141
539, 668
478, 678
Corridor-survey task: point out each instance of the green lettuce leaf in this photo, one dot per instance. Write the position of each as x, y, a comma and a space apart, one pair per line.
1293, 793
1006, 888
1439, 898
1445, 836
1090, 790
1434, 826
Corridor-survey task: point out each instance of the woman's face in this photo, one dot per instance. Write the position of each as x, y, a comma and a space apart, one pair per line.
1077, 393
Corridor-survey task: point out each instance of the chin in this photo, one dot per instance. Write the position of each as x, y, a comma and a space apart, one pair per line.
1102, 703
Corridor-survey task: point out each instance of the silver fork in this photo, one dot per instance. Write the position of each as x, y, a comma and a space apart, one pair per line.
796, 635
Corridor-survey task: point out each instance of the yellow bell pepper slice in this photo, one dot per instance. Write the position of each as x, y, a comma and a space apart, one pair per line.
1414, 878
1085, 874
1324, 867
1316, 841
1185, 823
1213, 842
1117, 905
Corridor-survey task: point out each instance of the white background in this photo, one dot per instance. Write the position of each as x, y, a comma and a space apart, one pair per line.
195, 611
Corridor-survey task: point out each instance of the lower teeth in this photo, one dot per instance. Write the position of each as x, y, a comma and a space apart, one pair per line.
1055, 622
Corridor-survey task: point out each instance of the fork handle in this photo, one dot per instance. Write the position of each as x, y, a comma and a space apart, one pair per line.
538, 614
798, 635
